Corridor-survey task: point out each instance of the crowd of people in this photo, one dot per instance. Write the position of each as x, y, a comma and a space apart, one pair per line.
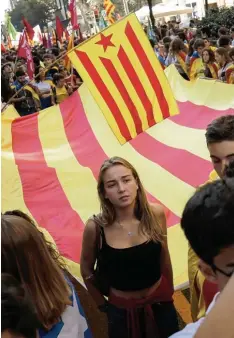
194, 54
190, 50
125, 261
54, 80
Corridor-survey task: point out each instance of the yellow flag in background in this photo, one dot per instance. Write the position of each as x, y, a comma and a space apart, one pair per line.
109, 8
69, 47
125, 77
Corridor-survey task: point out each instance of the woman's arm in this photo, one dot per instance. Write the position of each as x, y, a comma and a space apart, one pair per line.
88, 259
166, 266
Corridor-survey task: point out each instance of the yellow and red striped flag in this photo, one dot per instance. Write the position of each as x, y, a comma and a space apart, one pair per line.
45, 169
126, 79
109, 8
69, 47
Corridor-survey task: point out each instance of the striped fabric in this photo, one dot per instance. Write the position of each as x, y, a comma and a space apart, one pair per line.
69, 47
196, 68
51, 160
181, 57
230, 74
124, 76
213, 67
109, 8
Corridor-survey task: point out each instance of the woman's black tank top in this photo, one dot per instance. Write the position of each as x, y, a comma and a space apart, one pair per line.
131, 269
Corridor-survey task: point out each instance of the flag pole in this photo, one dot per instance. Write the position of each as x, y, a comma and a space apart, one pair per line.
72, 82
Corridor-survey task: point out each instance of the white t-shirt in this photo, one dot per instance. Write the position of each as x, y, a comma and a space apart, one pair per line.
43, 86
191, 329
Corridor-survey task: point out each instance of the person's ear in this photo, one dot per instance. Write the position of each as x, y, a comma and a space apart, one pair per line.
207, 271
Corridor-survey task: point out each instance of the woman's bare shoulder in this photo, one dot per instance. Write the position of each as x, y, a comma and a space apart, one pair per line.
157, 209
94, 222
90, 226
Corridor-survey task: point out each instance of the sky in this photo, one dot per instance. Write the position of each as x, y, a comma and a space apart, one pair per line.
3, 6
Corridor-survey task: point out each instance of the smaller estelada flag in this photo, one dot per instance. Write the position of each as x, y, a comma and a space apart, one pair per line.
24, 51
124, 76
29, 29
69, 48
74, 18
109, 8
3, 49
59, 29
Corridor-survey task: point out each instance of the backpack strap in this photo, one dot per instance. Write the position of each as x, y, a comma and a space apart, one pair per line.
100, 237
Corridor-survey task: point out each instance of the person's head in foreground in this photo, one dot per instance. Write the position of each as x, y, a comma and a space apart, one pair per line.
19, 318
220, 142
208, 224
34, 262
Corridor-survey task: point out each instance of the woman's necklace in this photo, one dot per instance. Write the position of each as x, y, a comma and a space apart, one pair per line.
130, 233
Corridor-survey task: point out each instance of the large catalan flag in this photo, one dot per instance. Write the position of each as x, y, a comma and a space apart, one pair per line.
125, 78
51, 173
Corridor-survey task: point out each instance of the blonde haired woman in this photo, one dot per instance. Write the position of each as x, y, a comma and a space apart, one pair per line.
128, 239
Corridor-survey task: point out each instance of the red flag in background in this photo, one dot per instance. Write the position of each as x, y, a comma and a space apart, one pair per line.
59, 29
69, 47
29, 29
49, 42
74, 18
66, 34
44, 41
3, 49
24, 51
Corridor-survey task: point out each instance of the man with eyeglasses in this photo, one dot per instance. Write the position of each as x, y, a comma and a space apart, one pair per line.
208, 224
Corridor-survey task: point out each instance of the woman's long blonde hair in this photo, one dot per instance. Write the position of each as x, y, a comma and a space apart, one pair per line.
35, 263
149, 224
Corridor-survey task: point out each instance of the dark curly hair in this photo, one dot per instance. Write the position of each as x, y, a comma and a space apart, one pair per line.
211, 55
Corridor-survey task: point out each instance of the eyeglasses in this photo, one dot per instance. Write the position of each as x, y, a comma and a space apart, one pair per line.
227, 274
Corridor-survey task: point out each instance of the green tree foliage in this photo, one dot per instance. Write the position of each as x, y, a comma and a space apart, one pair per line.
37, 12
218, 17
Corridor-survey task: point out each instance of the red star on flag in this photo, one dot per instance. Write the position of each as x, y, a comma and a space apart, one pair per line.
105, 41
